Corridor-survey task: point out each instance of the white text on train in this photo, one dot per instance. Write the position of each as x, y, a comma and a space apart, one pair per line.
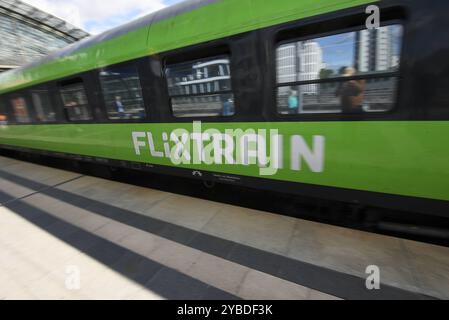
233, 147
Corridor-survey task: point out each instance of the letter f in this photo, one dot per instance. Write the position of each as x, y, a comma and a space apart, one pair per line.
137, 143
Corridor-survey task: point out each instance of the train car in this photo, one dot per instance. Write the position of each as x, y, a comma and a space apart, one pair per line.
304, 97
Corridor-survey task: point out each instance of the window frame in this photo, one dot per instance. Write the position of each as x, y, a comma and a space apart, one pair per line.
192, 55
279, 40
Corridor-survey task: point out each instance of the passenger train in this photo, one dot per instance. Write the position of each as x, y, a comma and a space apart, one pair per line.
296, 96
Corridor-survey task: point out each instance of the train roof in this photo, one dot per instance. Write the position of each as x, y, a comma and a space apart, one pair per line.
144, 22
186, 23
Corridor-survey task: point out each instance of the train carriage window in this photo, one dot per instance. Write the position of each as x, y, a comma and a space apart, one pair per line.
3, 112
75, 101
201, 88
20, 109
43, 107
122, 93
353, 72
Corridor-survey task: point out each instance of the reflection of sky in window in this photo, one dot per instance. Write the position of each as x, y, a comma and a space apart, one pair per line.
397, 32
338, 50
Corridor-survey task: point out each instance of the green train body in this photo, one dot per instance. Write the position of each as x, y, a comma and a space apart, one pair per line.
397, 159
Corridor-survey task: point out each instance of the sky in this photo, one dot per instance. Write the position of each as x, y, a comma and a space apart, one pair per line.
338, 50
96, 16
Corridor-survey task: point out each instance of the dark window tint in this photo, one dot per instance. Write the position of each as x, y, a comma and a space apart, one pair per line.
122, 93
43, 107
201, 88
20, 109
352, 72
75, 102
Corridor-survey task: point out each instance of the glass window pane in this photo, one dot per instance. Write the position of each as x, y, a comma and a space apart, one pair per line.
122, 93
75, 102
201, 88
355, 96
43, 106
203, 106
3, 112
351, 53
20, 110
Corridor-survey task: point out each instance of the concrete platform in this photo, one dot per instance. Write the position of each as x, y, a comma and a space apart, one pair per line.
68, 236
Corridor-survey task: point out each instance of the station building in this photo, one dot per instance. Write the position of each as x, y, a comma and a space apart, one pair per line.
27, 33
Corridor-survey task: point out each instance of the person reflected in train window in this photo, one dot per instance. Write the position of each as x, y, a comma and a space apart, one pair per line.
352, 92
293, 102
228, 108
119, 107
76, 109
71, 110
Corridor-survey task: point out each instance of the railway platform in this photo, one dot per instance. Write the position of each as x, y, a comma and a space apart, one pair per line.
64, 235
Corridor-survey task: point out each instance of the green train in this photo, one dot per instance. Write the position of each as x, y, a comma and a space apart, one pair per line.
305, 97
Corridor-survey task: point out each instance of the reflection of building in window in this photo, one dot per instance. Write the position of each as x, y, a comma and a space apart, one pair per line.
75, 102
322, 75
375, 50
42, 106
201, 88
287, 69
122, 93
300, 61
208, 77
311, 62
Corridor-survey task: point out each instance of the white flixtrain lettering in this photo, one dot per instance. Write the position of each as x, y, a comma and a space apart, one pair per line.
264, 148
313, 157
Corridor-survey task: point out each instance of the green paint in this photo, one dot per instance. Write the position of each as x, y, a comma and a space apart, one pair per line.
214, 21
403, 158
